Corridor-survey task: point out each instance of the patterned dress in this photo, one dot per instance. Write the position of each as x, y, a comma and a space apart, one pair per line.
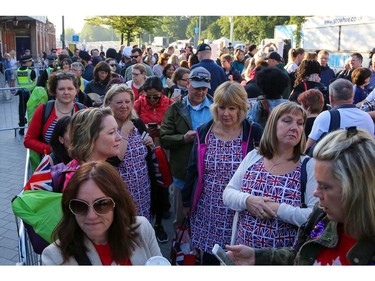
211, 222
134, 172
258, 233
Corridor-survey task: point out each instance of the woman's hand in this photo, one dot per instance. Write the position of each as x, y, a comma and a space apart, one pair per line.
241, 254
126, 128
176, 98
258, 207
147, 141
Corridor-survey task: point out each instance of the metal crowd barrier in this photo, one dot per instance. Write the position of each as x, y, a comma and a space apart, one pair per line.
9, 109
26, 254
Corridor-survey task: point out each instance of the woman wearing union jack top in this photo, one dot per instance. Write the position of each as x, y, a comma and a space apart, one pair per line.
266, 188
218, 150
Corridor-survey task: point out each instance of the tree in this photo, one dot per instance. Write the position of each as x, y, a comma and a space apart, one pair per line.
131, 26
69, 32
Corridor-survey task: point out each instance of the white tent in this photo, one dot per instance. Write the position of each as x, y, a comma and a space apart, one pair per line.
222, 42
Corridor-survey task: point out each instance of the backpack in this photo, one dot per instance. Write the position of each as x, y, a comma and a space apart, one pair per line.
263, 110
47, 109
304, 181
334, 124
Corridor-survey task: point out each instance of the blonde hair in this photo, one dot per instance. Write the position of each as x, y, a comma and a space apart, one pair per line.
120, 88
85, 127
352, 154
230, 93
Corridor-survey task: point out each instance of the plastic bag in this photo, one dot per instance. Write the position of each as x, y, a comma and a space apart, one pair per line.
41, 209
182, 253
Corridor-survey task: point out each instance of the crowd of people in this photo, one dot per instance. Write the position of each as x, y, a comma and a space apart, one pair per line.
249, 144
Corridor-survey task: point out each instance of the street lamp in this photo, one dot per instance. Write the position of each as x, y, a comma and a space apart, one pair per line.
231, 20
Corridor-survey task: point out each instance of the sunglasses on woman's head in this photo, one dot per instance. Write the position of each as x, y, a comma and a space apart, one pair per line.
61, 75
101, 206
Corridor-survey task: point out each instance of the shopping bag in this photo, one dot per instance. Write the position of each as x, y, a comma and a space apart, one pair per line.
41, 209
182, 253
162, 170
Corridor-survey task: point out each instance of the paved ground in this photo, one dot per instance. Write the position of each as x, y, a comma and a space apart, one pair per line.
12, 166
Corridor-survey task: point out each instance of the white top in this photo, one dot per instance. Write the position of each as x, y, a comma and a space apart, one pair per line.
291, 67
235, 199
348, 117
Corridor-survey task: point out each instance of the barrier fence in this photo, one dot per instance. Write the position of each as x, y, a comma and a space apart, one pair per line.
9, 101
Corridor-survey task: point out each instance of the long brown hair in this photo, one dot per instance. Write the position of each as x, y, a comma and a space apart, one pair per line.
122, 237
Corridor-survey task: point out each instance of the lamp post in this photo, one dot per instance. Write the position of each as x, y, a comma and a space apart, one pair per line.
231, 20
63, 33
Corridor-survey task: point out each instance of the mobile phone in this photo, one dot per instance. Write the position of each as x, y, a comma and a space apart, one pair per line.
176, 93
152, 125
221, 255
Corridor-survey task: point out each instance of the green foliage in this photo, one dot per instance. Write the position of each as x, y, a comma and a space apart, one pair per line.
69, 32
131, 26
249, 29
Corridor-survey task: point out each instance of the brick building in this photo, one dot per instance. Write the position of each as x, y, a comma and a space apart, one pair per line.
19, 33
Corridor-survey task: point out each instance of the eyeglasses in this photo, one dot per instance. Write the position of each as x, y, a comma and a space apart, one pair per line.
101, 206
152, 97
134, 57
112, 65
61, 75
196, 78
184, 79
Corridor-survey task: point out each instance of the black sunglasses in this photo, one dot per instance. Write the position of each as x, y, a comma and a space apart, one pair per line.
134, 57
101, 206
61, 75
196, 78
152, 97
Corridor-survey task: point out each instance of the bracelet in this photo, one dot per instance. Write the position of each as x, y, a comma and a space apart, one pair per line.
125, 138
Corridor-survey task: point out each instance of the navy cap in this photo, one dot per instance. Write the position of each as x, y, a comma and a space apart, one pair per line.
203, 47
84, 55
274, 56
26, 58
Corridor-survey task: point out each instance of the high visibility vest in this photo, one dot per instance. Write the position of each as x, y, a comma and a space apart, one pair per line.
24, 79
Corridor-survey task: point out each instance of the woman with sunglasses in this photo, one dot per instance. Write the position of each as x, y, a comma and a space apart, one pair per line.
63, 87
152, 106
341, 229
99, 224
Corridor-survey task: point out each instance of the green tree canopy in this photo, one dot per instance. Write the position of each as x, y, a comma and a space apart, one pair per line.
131, 26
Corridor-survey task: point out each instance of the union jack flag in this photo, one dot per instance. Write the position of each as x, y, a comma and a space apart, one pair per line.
41, 178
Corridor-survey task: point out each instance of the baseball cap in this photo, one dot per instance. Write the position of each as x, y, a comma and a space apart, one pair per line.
203, 47
126, 52
274, 56
200, 77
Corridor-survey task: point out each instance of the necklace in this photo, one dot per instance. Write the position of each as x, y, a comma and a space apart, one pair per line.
276, 164
57, 108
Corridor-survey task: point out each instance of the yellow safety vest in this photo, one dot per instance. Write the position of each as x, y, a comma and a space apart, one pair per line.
24, 79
